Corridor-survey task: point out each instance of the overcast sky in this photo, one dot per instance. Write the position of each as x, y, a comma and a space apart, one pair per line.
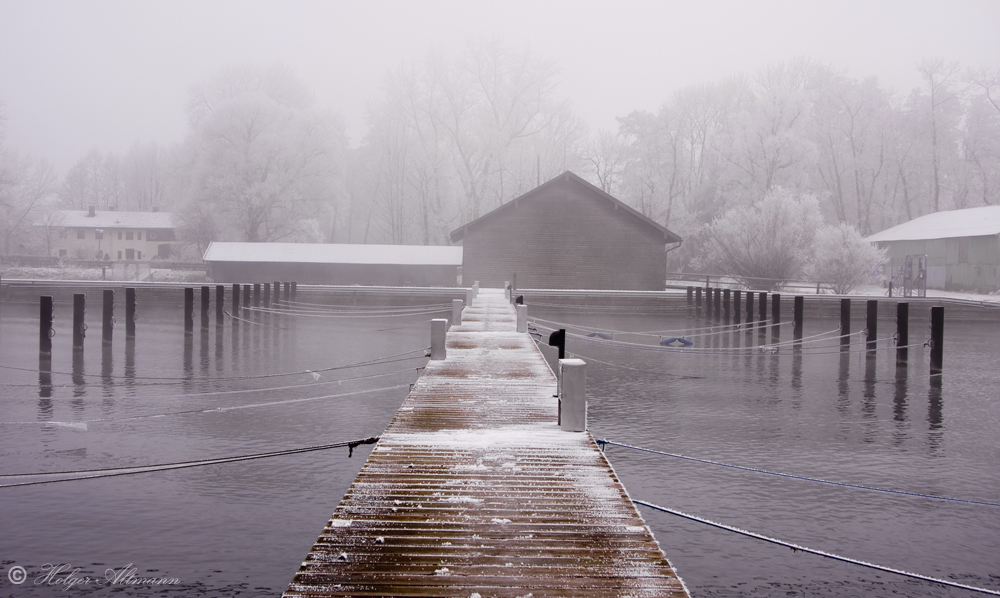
102, 74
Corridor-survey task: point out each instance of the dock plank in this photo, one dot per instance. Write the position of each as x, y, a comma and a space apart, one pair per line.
474, 490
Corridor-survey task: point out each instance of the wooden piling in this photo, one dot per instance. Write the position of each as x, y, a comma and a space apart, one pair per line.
188, 310
220, 304
902, 333
708, 303
286, 295
247, 289
726, 315
277, 293
762, 310
79, 325
256, 294
937, 339
749, 307
267, 295
46, 315
295, 290
775, 317
236, 300
845, 323
690, 296
717, 309
130, 314
798, 307
871, 327
108, 320
206, 300
573, 395
697, 297
737, 294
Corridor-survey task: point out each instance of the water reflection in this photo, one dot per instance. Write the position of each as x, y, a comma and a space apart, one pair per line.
44, 387
130, 362
843, 384
935, 416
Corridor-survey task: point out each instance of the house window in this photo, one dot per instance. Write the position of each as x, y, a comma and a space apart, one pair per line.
62, 253
138, 236
119, 237
119, 252
128, 236
81, 234
130, 254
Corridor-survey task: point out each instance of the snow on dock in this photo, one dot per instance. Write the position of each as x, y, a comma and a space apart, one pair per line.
473, 490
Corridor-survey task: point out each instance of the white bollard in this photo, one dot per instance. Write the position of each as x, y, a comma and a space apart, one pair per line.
456, 312
475, 289
468, 297
522, 317
506, 290
439, 327
573, 395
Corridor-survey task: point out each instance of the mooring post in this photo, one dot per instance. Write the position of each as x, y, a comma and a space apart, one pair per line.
871, 327
762, 310
456, 312
749, 308
220, 304
267, 295
206, 302
797, 309
522, 317
439, 327
188, 310
737, 295
79, 323
558, 339
236, 300
573, 395
295, 290
902, 333
845, 323
697, 298
130, 313
108, 321
256, 294
775, 317
45, 317
246, 297
506, 290
708, 303
286, 296
690, 296
475, 288
937, 339
726, 314
277, 293
717, 309
468, 297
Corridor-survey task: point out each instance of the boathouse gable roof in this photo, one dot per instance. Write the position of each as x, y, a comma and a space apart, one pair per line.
970, 222
333, 253
568, 178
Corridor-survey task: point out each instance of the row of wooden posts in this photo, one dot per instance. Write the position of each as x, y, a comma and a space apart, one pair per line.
718, 301
253, 295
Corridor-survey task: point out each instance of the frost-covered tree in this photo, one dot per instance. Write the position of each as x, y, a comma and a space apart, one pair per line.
27, 186
843, 259
767, 243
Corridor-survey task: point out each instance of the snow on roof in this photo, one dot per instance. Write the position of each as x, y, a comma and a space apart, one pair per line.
971, 222
334, 253
114, 219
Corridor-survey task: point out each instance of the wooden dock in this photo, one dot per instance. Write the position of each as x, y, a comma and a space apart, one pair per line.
473, 490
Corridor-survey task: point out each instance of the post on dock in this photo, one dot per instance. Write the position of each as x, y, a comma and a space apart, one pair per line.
708, 303
286, 295
737, 294
573, 395
468, 297
725, 306
798, 307
775, 317
871, 327
220, 304
717, 308
475, 288
937, 339
506, 290
206, 302
79, 323
277, 293
845, 323
522, 317
246, 297
256, 294
188, 310
236, 300
902, 333
130, 315
456, 312
749, 307
697, 298
439, 326
558, 339
108, 320
267, 295
45, 317
762, 310
295, 290
690, 296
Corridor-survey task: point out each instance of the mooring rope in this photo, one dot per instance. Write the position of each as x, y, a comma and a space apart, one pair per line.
109, 472
363, 307
796, 477
821, 553
295, 314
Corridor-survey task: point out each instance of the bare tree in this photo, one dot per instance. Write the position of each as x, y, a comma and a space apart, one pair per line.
941, 78
27, 185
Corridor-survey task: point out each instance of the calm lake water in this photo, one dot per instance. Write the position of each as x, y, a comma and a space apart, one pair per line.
243, 528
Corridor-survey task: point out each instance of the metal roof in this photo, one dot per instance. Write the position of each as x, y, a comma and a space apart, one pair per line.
567, 177
970, 222
114, 219
333, 253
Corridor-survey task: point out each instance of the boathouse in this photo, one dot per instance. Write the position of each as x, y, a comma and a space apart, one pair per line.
566, 234
334, 263
962, 247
